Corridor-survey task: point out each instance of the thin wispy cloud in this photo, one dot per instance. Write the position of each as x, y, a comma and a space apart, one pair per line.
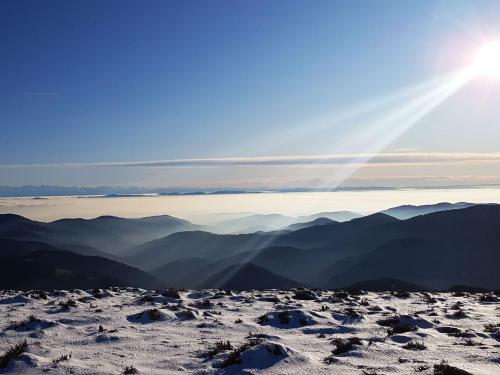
41, 93
394, 158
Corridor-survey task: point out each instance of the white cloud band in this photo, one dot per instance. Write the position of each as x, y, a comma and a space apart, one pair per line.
420, 158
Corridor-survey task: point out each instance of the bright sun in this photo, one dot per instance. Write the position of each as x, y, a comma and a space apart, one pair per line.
487, 61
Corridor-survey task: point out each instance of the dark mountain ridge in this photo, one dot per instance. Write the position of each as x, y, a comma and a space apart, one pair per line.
408, 211
436, 250
36, 265
247, 276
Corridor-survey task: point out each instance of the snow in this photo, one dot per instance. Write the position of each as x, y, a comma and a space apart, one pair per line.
165, 333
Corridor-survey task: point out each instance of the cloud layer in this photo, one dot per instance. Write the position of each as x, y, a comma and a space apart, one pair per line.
401, 159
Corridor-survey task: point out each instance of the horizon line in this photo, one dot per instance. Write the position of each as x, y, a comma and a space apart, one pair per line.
173, 191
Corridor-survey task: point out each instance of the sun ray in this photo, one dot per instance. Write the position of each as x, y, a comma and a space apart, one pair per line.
381, 133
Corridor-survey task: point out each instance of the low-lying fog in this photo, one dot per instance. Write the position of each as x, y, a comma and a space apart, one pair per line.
202, 209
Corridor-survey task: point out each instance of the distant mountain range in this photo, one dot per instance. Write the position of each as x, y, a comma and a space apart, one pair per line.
409, 247
318, 221
117, 191
122, 191
409, 211
107, 233
275, 222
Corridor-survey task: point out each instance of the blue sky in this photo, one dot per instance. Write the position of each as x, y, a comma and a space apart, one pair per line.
121, 81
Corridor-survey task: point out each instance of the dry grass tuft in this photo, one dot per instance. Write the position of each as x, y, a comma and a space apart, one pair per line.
13, 353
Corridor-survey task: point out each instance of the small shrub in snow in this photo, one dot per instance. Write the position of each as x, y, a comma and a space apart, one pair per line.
401, 328
459, 314
401, 294
212, 312
427, 298
263, 319
356, 292
345, 345
421, 368
186, 314
203, 304
485, 298
234, 357
304, 294
341, 294
467, 342
154, 314
276, 350
64, 357
374, 309
330, 360
31, 319
353, 314
65, 305
147, 316
414, 345
173, 307
39, 294
491, 328
144, 300
388, 322
218, 347
13, 353
171, 293
130, 370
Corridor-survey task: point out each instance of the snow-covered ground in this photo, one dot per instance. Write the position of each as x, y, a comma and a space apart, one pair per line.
258, 332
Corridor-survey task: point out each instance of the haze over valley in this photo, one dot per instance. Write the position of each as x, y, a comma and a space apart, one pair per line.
328, 249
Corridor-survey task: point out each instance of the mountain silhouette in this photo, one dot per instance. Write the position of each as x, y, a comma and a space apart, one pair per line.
409, 211
34, 265
183, 273
196, 244
437, 250
247, 276
318, 221
106, 233
274, 222
384, 285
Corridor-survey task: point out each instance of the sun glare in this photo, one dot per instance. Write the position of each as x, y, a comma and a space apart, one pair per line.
487, 61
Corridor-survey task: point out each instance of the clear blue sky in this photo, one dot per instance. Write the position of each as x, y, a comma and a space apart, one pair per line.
111, 81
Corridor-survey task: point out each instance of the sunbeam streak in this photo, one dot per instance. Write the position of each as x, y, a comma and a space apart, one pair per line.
373, 136
377, 136
385, 131
385, 102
